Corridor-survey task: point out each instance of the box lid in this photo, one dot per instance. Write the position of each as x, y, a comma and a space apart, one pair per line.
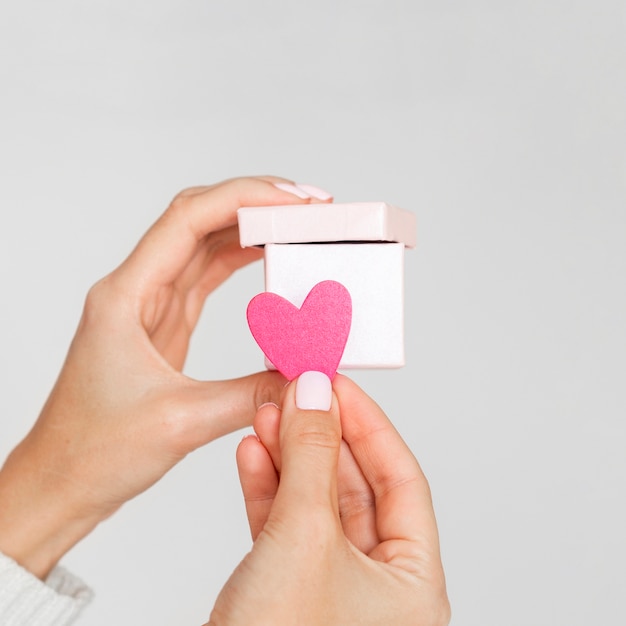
318, 223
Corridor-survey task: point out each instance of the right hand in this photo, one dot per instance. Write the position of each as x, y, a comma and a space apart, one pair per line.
344, 530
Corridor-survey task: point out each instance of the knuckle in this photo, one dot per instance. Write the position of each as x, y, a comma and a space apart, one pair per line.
318, 433
99, 299
179, 202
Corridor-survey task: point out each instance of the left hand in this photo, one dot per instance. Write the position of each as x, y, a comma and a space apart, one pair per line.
121, 413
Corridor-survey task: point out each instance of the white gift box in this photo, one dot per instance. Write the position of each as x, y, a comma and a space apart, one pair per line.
360, 245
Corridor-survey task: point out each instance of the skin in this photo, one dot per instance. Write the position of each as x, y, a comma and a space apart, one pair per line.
340, 512
121, 413
342, 521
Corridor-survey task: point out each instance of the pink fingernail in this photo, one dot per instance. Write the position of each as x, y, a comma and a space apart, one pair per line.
296, 191
314, 392
316, 192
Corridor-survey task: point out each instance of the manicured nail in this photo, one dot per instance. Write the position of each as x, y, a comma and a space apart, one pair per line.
268, 404
314, 392
316, 192
296, 191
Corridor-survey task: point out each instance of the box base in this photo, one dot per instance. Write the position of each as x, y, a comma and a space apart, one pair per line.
373, 273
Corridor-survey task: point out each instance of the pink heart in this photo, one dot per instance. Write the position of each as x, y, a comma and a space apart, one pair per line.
310, 338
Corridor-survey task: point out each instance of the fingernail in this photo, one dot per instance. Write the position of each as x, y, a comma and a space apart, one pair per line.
314, 392
268, 404
316, 192
296, 191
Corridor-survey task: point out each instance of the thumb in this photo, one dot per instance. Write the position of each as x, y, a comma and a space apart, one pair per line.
310, 437
211, 409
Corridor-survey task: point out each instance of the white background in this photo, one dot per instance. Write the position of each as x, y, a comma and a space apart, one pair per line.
501, 124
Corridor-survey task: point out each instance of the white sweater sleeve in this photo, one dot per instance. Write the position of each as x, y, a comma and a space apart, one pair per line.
27, 601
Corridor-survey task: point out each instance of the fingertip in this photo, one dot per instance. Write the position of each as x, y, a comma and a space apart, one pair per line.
255, 467
267, 407
267, 425
319, 423
247, 452
314, 392
269, 388
311, 393
304, 192
317, 193
294, 190
343, 382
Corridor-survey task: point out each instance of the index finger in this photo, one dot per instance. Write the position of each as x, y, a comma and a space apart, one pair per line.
404, 508
169, 245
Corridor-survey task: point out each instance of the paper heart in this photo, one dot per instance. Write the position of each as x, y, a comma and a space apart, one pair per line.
310, 338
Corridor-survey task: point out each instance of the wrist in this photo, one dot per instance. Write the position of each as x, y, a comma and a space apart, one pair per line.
39, 521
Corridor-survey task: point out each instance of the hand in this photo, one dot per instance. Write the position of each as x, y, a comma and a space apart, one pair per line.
121, 413
344, 530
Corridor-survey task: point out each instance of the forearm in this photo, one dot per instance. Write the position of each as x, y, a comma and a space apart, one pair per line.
39, 518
